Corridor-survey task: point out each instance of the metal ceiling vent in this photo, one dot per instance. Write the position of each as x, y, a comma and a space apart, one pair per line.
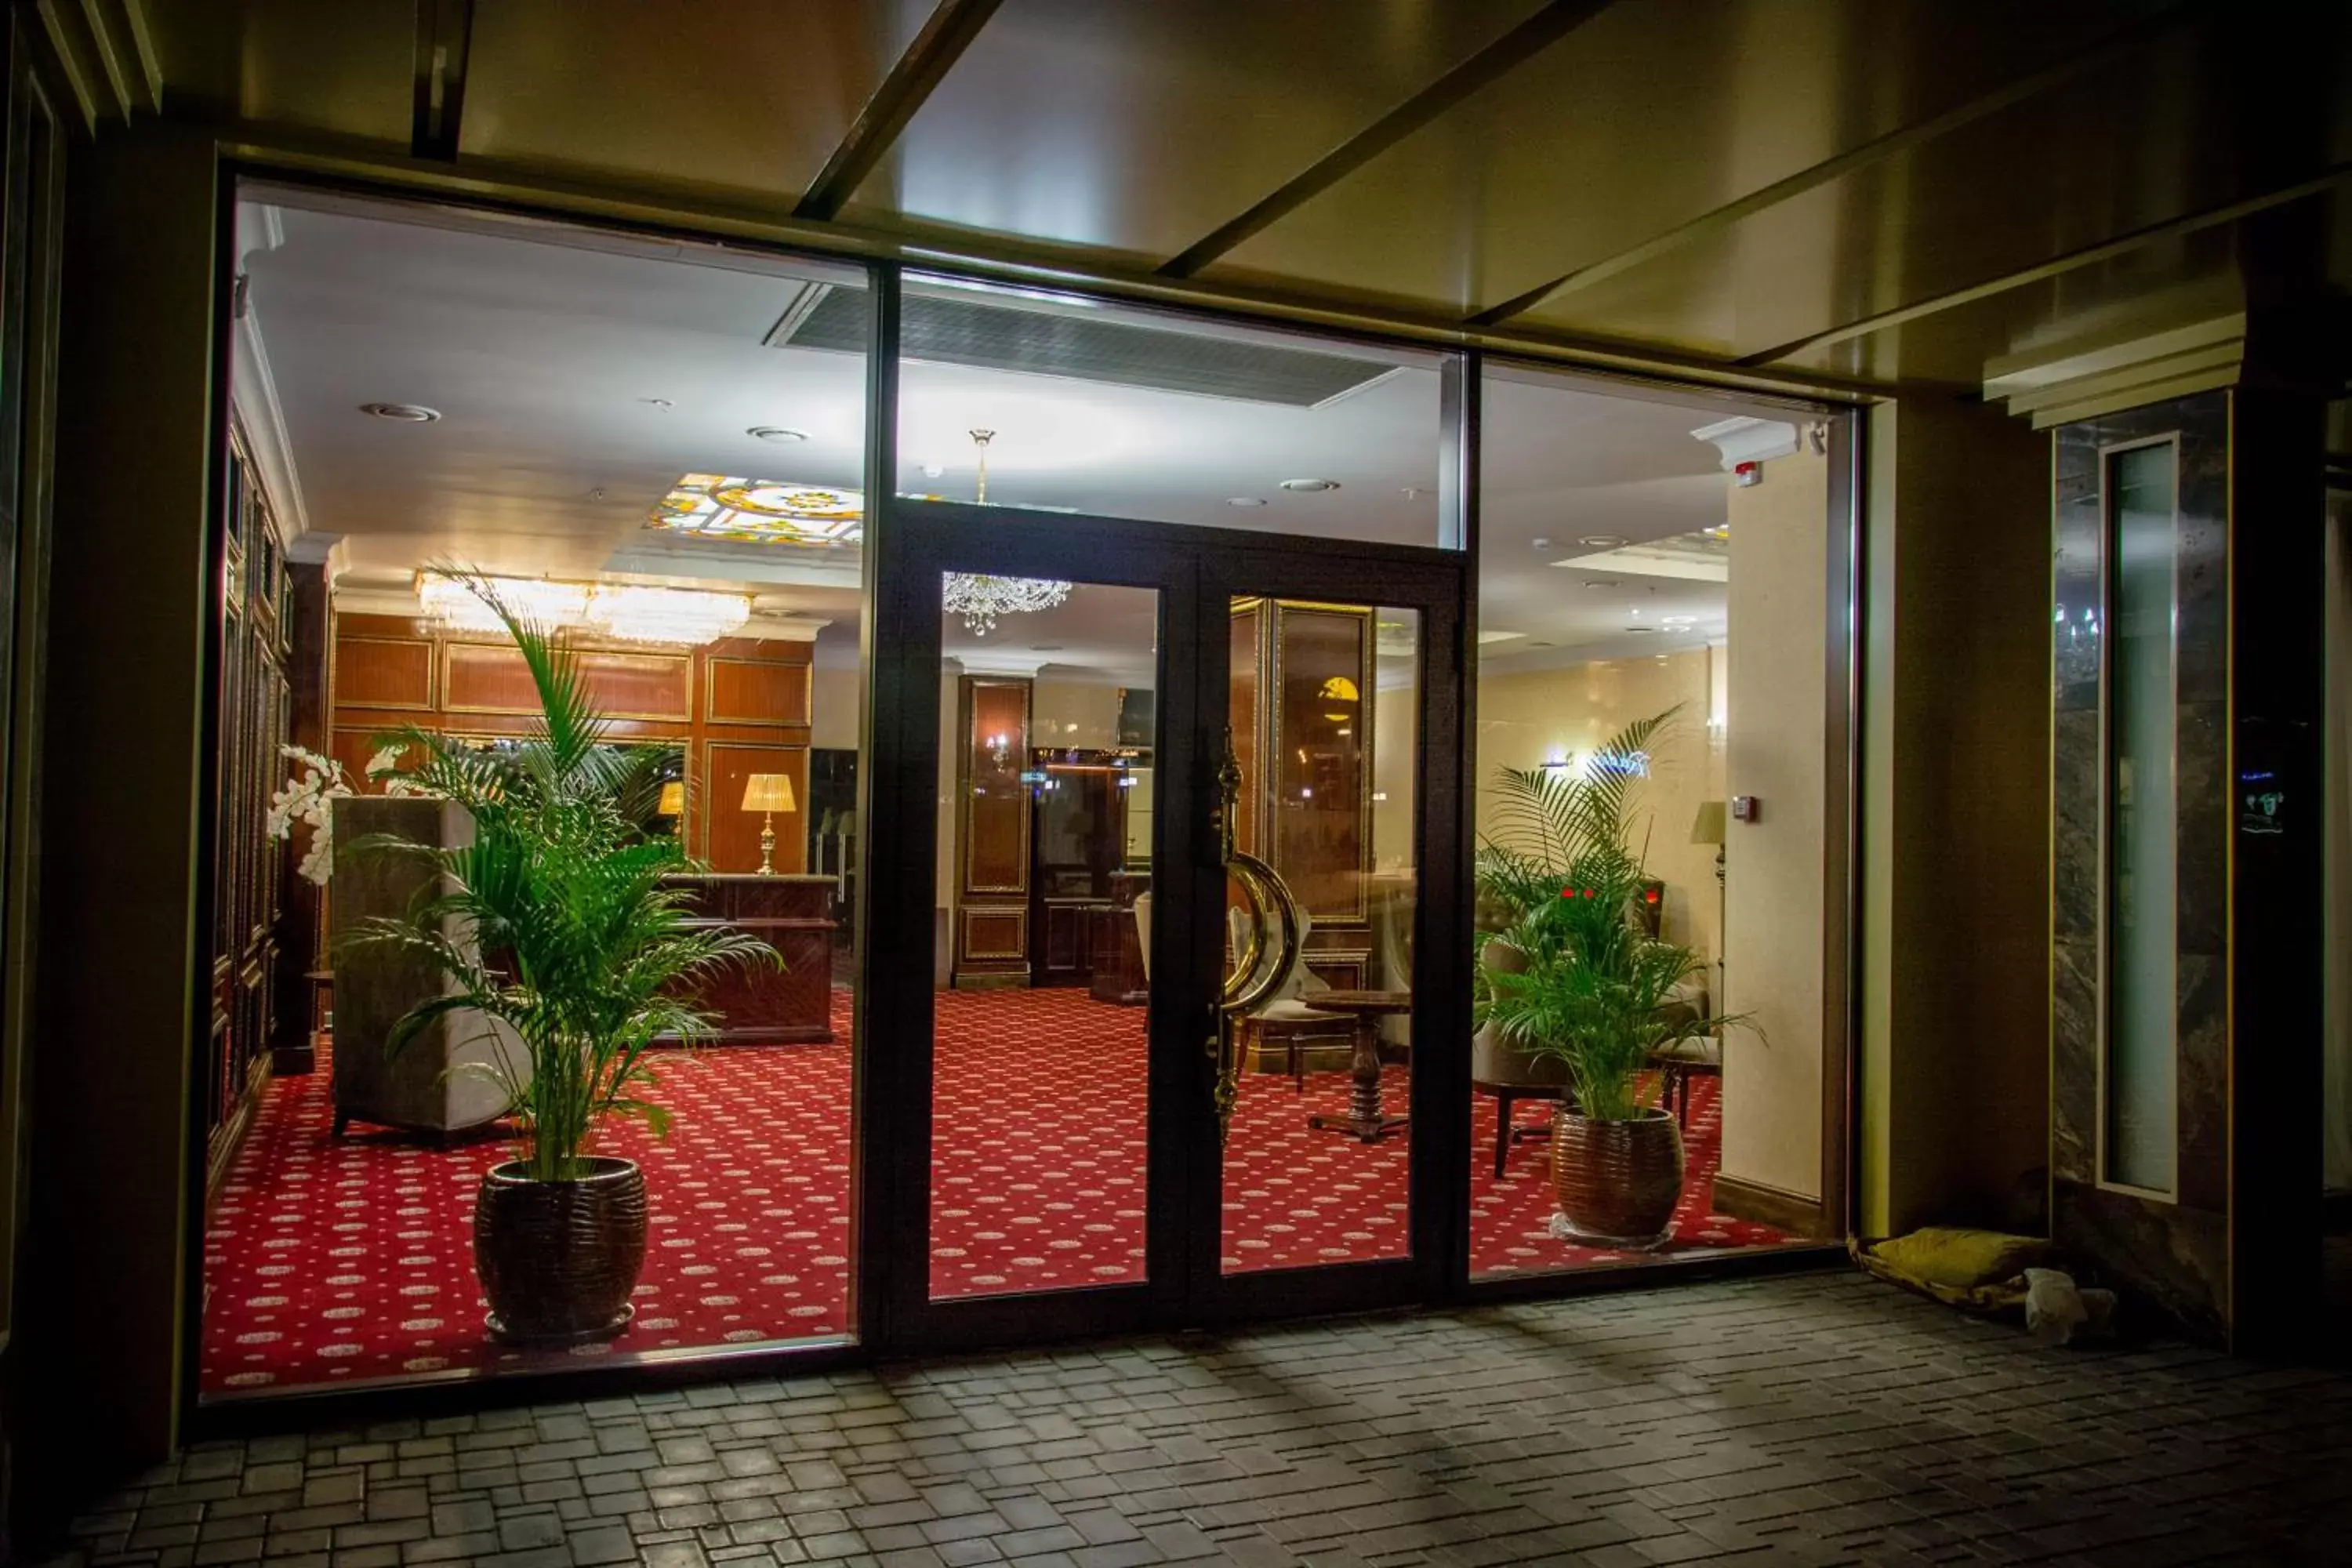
947, 331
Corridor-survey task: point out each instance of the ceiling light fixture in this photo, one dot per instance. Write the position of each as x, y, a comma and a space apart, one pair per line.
1309, 487
979, 597
622, 611
1244, 500
1601, 541
778, 433
689, 615
1540, 542
534, 600
400, 413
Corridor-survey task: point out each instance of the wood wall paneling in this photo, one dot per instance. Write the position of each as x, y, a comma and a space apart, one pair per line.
730, 837
994, 828
738, 706
1295, 666
756, 691
386, 672
492, 679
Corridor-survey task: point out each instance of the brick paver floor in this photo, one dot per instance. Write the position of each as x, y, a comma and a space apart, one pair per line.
1817, 1419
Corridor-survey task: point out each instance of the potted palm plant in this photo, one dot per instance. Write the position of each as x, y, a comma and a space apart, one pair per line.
554, 922
1590, 989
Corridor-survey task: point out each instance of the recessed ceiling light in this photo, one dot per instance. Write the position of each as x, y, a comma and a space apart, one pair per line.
1310, 487
1244, 500
402, 413
778, 433
1540, 542
1601, 541
934, 471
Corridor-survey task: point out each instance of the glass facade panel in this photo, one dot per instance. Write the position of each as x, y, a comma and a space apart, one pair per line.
1652, 639
2140, 1080
1318, 1147
1086, 405
1038, 1045
594, 421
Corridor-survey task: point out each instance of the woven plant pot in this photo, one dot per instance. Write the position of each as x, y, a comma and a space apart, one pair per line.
558, 1259
1617, 1183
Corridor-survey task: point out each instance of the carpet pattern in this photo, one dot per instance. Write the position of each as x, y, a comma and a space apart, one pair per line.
346, 1262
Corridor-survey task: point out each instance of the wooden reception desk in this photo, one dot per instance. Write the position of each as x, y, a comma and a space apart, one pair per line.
794, 914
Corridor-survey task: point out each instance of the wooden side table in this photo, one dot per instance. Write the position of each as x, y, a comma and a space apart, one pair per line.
1363, 1119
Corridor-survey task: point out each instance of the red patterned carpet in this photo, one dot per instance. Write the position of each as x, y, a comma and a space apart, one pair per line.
330, 1262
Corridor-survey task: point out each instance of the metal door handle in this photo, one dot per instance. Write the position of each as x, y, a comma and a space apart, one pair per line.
1256, 977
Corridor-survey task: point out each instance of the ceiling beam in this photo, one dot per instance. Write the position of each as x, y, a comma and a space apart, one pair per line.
2089, 256
444, 32
2099, 55
1522, 43
1005, 258
946, 34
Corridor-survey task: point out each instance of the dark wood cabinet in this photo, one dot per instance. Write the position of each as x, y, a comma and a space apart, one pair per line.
1116, 952
255, 617
794, 914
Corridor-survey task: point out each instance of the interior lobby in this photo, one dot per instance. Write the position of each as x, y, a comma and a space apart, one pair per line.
661, 453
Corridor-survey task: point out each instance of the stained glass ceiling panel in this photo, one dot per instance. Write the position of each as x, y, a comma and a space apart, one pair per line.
762, 511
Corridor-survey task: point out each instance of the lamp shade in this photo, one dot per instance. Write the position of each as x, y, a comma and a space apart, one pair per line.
1707, 826
768, 792
673, 800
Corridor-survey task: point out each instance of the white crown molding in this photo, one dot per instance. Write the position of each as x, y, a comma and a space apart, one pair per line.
1743, 439
263, 420
328, 550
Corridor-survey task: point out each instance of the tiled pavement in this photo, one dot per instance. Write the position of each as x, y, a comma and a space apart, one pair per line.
1817, 1419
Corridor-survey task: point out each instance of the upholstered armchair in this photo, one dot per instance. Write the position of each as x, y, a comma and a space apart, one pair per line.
1506, 1074
425, 1086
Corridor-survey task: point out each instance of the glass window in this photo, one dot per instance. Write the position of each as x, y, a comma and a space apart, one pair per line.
1086, 405
2140, 1063
1038, 1052
614, 428
1652, 638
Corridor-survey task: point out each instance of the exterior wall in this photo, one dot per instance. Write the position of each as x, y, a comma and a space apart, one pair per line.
128, 767
1953, 1080
1773, 866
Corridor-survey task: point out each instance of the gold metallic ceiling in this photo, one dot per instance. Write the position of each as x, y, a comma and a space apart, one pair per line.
1880, 192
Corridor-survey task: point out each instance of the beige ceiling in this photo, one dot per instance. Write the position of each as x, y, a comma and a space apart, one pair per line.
1703, 183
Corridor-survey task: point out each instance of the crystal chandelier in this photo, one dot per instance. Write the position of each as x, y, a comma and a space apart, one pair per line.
627, 612
979, 597
666, 615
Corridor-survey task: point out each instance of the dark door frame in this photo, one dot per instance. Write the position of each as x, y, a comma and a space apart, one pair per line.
1197, 571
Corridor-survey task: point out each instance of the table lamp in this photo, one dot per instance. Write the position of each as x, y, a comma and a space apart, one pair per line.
768, 794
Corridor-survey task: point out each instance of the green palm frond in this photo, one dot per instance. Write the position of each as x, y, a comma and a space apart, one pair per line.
1568, 854
557, 920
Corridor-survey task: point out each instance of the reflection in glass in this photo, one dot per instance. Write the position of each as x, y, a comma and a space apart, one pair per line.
1317, 1156
1038, 1130
2142, 870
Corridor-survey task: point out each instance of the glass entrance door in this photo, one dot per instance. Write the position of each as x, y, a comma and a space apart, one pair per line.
1167, 864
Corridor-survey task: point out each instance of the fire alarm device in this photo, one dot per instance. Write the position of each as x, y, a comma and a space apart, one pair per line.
1746, 808
1747, 474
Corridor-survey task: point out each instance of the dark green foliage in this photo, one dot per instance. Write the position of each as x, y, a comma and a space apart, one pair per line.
555, 920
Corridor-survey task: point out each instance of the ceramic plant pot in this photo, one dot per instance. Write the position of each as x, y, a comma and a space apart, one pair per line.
1617, 1182
559, 1259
